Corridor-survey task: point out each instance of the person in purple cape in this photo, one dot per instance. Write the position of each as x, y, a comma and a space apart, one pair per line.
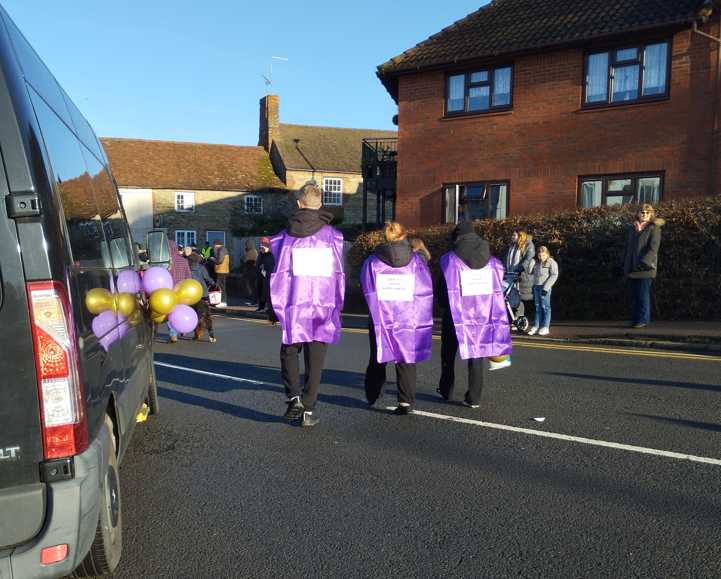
398, 288
307, 287
469, 290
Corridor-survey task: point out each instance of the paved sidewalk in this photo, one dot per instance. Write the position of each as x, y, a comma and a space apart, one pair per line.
667, 335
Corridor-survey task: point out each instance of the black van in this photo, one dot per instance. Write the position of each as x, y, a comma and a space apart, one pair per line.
69, 399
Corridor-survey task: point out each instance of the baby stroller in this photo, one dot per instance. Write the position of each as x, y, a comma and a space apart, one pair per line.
513, 300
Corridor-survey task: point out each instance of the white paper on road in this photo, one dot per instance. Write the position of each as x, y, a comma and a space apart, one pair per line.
313, 261
395, 288
540, 418
476, 282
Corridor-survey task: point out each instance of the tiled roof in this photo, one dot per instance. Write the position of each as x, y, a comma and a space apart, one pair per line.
324, 148
508, 26
173, 165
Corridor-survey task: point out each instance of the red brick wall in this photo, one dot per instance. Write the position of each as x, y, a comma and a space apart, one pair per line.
546, 142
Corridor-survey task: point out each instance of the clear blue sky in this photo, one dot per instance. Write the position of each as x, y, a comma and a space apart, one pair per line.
184, 70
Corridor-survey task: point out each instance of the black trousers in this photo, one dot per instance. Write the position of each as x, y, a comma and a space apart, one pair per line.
449, 349
375, 381
221, 285
314, 357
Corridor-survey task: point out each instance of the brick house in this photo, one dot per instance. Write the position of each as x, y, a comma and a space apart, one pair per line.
524, 107
193, 190
330, 155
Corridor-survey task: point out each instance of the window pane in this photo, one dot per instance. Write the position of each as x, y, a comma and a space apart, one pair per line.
597, 84
619, 185
618, 199
472, 210
449, 205
253, 204
625, 83
654, 70
591, 193
211, 236
648, 189
627, 54
498, 201
478, 98
479, 76
456, 92
501, 86
333, 191
474, 191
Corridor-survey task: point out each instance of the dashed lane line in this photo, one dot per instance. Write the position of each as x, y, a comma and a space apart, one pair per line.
540, 433
556, 346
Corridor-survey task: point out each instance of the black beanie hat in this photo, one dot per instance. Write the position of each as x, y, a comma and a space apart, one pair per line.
461, 229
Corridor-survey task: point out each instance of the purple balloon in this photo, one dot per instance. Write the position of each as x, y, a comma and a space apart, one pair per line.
183, 319
123, 327
105, 327
129, 281
157, 278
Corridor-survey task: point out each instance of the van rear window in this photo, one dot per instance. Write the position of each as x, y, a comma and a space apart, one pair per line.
82, 217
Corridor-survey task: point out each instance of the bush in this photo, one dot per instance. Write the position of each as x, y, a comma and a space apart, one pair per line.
587, 245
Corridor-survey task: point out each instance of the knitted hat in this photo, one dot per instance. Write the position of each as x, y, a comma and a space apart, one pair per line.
265, 243
217, 241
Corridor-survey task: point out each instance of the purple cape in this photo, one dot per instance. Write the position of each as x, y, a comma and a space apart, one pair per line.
481, 321
308, 305
404, 329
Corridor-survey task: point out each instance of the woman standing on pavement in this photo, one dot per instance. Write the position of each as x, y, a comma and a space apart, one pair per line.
518, 259
264, 266
398, 288
639, 262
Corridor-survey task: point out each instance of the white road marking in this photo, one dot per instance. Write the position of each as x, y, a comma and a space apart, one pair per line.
590, 441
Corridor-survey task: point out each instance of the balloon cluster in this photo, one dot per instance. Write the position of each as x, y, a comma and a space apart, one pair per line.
115, 310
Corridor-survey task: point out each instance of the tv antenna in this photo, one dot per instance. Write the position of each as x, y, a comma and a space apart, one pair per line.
272, 58
267, 82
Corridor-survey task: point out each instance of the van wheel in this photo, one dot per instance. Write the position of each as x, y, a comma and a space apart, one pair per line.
104, 554
152, 398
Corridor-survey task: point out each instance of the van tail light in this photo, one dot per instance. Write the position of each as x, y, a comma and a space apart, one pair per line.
65, 427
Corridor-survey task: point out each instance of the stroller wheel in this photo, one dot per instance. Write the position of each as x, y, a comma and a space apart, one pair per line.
521, 323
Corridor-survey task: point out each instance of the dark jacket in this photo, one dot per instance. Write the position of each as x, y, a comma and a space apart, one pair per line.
265, 262
200, 274
525, 281
474, 252
640, 252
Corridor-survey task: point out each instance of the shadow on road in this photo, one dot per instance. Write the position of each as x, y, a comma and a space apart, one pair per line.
680, 422
617, 379
232, 409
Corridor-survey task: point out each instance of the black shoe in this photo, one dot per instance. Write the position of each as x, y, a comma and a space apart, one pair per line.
309, 419
377, 403
403, 410
440, 394
295, 409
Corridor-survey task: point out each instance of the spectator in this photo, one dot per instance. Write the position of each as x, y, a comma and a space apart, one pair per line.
545, 274
248, 270
263, 268
187, 251
518, 259
420, 248
639, 262
400, 326
207, 251
221, 261
179, 270
306, 291
200, 274
474, 312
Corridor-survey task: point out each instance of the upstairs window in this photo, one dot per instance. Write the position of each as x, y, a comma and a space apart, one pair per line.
253, 204
471, 201
626, 74
479, 90
620, 189
332, 191
184, 202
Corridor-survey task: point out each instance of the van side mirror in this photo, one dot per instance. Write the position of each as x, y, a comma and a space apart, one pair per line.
158, 248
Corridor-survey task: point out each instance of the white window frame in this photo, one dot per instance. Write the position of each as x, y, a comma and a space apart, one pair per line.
186, 233
253, 198
184, 202
330, 191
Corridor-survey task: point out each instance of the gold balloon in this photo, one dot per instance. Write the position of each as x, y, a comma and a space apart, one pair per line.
163, 301
497, 358
158, 318
188, 291
98, 300
114, 303
126, 304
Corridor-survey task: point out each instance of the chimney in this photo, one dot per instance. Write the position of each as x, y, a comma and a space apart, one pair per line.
269, 131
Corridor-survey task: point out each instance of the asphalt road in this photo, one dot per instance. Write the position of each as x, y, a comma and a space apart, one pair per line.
218, 486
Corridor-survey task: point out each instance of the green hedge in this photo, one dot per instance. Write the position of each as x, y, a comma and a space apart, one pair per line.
587, 245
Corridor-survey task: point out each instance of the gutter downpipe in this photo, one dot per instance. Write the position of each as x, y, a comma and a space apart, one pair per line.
712, 176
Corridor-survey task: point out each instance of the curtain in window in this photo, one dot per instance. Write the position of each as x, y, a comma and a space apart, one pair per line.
648, 189
625, 83
597, 86
456, 93
654, 70
498, 201
501, 86
449, 204
591, 193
